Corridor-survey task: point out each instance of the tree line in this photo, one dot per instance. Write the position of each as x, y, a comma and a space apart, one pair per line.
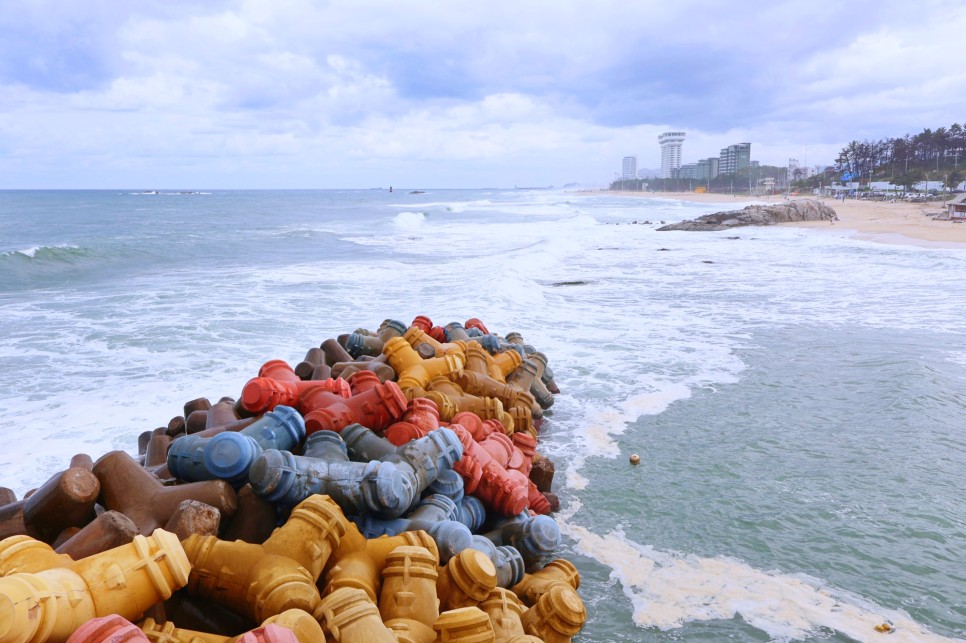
745, 180
907, 160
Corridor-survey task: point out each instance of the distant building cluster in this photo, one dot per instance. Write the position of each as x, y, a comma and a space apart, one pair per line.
798, 171
731, 160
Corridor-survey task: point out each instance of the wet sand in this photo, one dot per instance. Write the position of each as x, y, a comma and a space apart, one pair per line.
879, 221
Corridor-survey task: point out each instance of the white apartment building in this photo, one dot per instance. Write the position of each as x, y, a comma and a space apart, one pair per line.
629, 166
797, 171
671, 143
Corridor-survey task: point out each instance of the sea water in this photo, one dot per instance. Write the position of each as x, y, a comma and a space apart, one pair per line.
797, 397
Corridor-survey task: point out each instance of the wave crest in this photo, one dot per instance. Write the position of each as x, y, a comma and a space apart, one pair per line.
61, 252
409, 220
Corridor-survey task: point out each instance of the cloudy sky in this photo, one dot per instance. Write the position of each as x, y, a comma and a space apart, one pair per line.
366, 93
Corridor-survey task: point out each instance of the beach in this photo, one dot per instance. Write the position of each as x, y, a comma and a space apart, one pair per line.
879, 221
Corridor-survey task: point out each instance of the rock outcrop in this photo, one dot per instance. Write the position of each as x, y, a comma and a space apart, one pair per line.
760, 215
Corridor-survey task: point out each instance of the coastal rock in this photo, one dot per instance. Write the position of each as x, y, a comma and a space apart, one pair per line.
760, 215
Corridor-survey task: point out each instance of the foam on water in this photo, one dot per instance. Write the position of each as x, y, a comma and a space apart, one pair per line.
449, 206
408, 220
669, 589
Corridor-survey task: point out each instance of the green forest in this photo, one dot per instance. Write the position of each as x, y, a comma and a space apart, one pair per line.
904, 161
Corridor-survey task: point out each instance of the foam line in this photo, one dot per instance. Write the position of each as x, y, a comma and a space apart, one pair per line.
667, 590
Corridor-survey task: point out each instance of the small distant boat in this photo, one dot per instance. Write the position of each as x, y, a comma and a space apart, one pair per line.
417, 192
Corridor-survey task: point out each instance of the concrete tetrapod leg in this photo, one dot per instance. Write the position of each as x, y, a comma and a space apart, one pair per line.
313, 358
539, 388
358, 562
438, 451
474, 322
415, 372
378, 488
50, 605
429, 346
456, 332
483, 407
301, 623
421, 417
66, 499
229, 455
498, 490
266, 633
535, 537
535, 585
348, 616
23, 554
357, 344
517, 403
505, 611
260, 581
467, 579
557, 616
109, 530
376, 406
464, 625
409, 591
506, 560
280, 385
129, 488
108, 629
254, 520
435, 515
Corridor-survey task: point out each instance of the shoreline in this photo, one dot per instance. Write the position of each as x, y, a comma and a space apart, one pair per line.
899, 223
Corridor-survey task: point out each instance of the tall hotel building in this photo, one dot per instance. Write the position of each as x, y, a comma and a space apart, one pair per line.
671, 143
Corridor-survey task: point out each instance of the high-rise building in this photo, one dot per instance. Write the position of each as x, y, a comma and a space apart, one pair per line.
708, 168
734, 157
687, 171
629, 168
671, 143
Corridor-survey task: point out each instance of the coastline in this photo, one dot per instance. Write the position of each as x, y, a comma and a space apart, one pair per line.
899, 223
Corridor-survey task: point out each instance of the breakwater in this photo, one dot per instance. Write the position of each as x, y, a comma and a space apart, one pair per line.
387, 487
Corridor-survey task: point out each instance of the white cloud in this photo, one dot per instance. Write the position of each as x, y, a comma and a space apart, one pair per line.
459, 89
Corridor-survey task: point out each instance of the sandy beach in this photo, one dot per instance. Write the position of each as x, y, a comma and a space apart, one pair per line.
882, 222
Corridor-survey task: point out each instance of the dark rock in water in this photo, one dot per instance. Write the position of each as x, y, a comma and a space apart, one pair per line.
569, 283
542, 474
790, 211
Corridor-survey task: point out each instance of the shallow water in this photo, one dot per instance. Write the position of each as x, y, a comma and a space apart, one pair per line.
797, 397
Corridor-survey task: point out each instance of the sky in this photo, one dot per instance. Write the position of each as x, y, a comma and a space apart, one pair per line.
363, 93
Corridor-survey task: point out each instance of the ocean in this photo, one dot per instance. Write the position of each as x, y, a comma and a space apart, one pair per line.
797, 396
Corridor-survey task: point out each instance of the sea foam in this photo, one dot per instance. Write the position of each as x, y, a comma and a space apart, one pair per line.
670, 589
